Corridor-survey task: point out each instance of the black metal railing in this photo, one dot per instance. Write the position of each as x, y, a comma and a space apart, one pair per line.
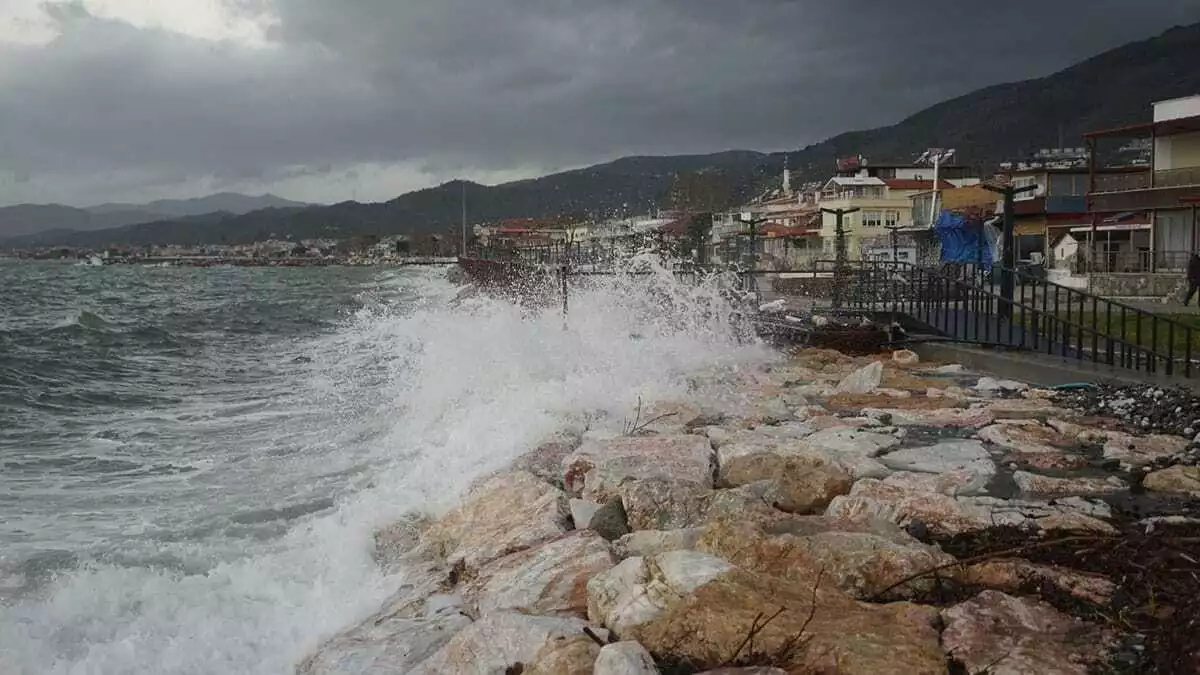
962, 302
1040, 316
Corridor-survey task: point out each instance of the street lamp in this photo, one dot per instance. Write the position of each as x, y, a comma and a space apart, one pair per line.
1008, 259
839, 269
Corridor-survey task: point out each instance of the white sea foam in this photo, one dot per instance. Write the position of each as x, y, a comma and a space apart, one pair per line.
438, 394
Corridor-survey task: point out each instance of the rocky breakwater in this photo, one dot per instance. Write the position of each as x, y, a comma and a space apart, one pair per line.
838, 515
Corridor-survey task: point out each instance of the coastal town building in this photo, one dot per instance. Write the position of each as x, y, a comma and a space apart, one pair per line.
884, 205
1143, 217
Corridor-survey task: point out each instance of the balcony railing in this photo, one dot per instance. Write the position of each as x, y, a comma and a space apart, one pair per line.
1129, 262
1177, 177
1122, 182
1144, 180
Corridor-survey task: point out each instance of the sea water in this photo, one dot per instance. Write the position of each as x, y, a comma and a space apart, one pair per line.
193, 461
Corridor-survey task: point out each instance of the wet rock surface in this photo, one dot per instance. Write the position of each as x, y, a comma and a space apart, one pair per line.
825, 513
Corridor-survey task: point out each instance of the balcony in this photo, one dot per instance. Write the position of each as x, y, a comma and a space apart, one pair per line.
1164, 189
1170, 178
1122, 182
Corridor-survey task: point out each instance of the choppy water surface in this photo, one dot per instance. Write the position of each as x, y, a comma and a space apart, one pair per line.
192, 460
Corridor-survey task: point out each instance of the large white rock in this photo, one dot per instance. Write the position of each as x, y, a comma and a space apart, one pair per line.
505, 513
1032, 483
944, 514
850, 440
953, 483
862, 381
548, 579
1142, 450
625, 658
969, 457
640, 589
652, 542
1004, 635
393, 645
598, 468
992, 384
1025, 438
499, 642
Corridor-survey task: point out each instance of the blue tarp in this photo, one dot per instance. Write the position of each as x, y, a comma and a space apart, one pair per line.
964, 240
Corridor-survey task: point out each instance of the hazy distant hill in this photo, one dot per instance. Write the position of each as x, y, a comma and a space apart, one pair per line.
26, 219
987, 126
230, 202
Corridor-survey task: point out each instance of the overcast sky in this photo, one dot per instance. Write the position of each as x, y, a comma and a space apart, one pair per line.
325, 100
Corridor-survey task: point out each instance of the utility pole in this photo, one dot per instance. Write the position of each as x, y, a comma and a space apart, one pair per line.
1008, 261
839, 269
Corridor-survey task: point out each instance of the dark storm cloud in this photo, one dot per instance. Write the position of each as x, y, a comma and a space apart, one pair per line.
484, 85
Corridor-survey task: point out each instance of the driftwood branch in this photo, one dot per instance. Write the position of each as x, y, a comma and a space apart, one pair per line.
638, 426
966, 562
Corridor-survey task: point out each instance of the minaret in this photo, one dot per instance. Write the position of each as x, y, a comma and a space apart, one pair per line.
787, 177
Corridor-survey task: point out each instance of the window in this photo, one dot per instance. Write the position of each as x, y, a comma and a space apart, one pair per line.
891, 218
872, 218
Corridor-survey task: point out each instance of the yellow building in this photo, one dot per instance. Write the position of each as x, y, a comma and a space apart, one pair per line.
883, 203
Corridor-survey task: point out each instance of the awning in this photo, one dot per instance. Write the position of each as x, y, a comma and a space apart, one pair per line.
1119, 227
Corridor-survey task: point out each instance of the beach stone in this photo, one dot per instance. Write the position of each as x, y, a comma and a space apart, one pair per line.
859, 564
610, 520
798, 484
905, 357
945, 457
956, 418
1024, 408
993, 384
639, 589
667, 505
549, 579
1078, 432
862, 381
1004, 635
953, 483
545, 461
948, 369
508, 512
709, 625
499, 642
625, 658
607, 520
807, 412
718, 436
1025, 438
598, 468
399, 538
582, 511
383, 645
947, 515
1015, 575
1032, 483
656, 504
1142, 450
1048, 461
564, 656
652, 542
850, 440
1178, 479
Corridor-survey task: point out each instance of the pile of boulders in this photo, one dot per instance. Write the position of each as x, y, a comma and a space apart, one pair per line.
788, 532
